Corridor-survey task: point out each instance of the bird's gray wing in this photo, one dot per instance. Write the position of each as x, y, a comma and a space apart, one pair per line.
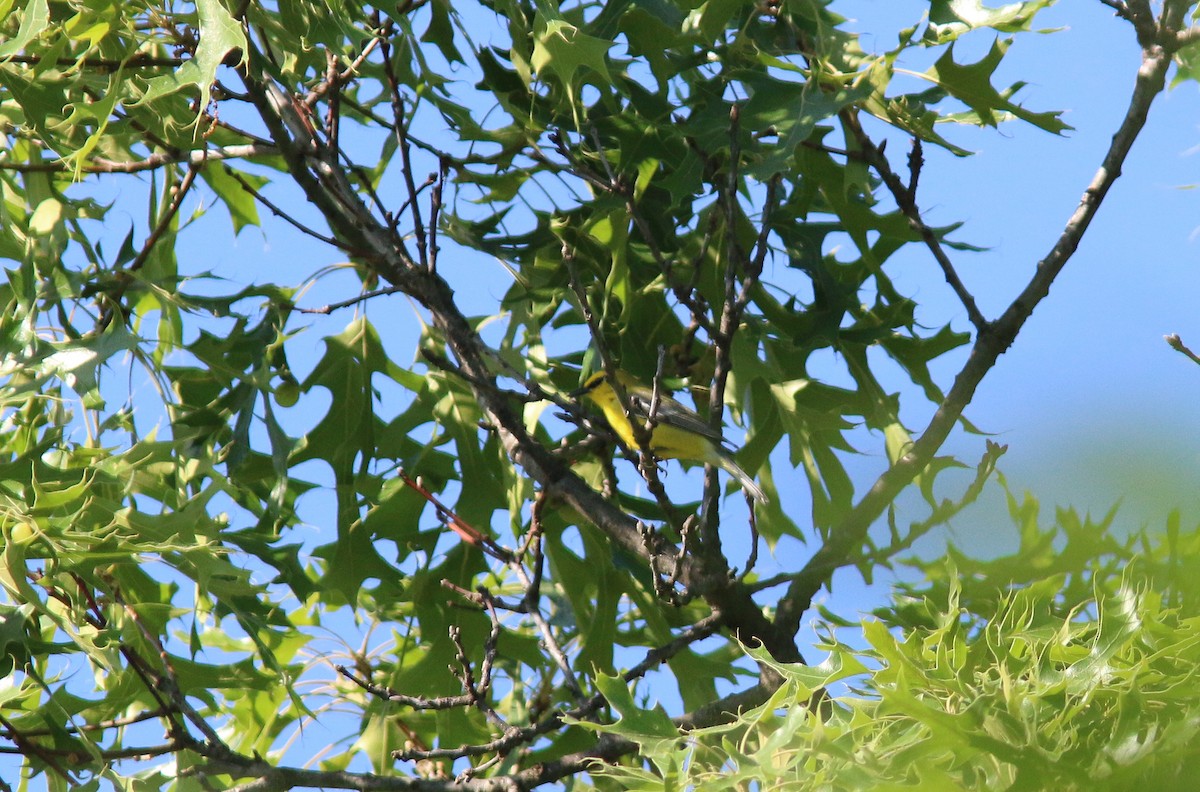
672, 413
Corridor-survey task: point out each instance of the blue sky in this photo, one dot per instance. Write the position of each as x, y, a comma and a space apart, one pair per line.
1093, 405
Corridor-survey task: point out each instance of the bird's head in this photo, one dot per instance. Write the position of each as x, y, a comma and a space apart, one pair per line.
598, 387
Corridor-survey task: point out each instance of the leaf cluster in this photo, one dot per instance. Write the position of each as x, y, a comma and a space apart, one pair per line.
1066, 668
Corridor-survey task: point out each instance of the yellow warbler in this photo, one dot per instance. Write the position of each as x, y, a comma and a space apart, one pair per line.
678, 433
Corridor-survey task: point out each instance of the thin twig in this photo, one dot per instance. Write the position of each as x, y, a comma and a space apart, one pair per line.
325, 310
467, 532
752, 556
171, 687
906, 200
164, 221
406, 168
333, 116
107, 64
280, 213
1176, 343
435, 210
476, 691
430, 181
152, 162
150, 679
323, 183
941, 514
549, 640
733, 260
113, 298
114, 723
413, 702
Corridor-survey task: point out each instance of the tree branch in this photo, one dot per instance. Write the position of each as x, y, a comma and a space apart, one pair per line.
850, 534
906, 198
153, 162
106, 64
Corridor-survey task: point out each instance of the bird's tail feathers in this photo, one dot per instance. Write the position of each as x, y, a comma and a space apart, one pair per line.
727, 464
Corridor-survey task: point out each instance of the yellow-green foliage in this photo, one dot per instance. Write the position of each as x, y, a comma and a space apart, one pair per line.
1067, 665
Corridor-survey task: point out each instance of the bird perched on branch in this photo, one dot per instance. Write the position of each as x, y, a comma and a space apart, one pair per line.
677, 432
